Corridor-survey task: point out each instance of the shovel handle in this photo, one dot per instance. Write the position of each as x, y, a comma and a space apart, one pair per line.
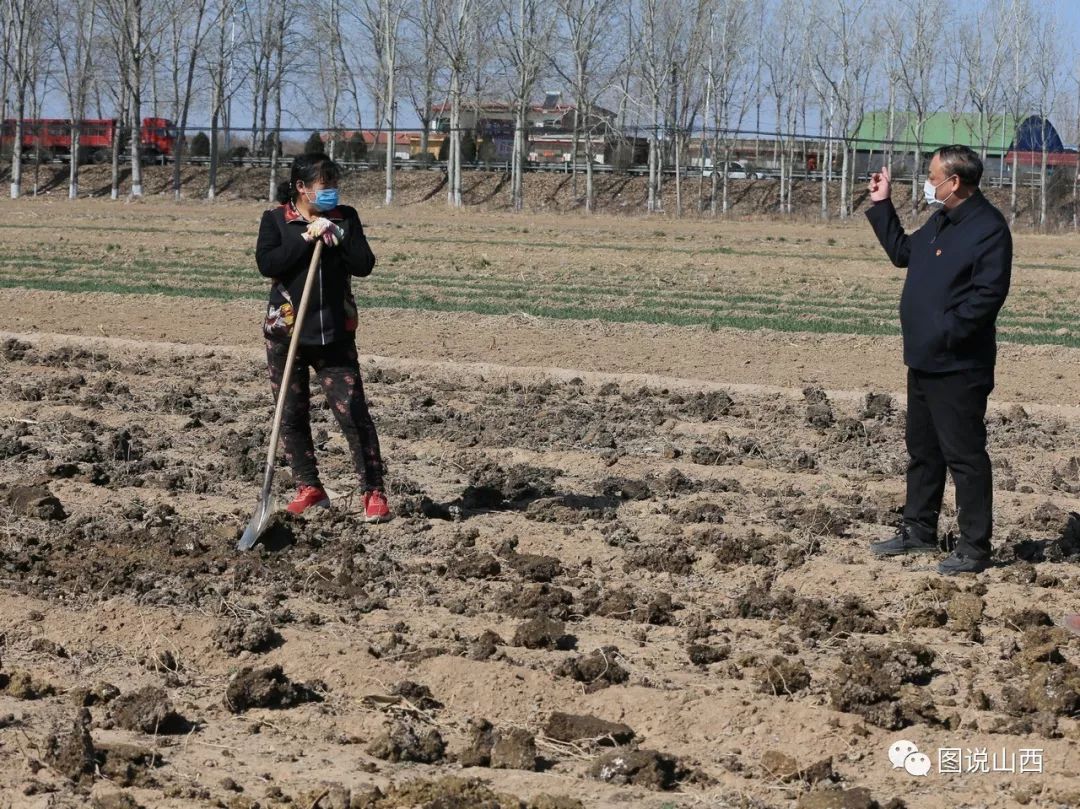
290, 360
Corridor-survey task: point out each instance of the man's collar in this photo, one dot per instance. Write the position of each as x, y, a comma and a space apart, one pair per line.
964, 209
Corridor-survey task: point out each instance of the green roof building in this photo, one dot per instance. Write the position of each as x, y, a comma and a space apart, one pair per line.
940, 129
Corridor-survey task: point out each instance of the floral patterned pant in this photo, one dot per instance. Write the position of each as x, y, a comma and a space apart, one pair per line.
338, 371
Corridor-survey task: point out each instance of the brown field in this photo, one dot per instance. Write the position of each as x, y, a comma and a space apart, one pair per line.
636, 465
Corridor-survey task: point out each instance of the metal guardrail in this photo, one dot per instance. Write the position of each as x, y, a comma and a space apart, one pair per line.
692, 173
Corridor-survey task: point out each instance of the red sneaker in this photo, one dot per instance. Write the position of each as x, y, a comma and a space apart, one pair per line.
308, 497
376, 509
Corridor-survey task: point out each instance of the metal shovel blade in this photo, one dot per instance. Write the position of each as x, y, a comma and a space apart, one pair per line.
259, 520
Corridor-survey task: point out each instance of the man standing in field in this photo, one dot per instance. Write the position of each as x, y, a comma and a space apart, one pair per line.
959, 266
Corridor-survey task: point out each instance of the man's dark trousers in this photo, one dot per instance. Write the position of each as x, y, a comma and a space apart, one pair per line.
946, 429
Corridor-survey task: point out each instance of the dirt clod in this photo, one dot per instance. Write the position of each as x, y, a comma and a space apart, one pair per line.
247, 636
71, 751
786, 768
643, 768
705, 654
576, 728
474, 565
597, 669
147, 710
536, 567
127, 765
869, 683
878, 406
23, 685
513, 749
406, 741
266, 688
965, 612
113, 799
543, 633
857, 798
417, 694
783, 676
35, 501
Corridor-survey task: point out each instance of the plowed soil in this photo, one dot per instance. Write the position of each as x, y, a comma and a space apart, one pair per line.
628, 566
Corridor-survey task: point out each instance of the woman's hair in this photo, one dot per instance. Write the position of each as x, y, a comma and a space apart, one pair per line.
307, 169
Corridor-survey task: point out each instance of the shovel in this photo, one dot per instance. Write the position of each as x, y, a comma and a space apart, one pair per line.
265, 509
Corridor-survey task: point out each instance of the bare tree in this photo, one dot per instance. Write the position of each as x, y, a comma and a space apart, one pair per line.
137, 29
785, 64
71, 35
1046, 71
455, 38
687, 89
844, 63
728, 69
382, 20
914, 33
422, 62
281, 30
985, 53
187, 42
585, 24
112, 64
526, 31
1074, 79
258, 26
1020, 20
20, 54
661, 29
224, 80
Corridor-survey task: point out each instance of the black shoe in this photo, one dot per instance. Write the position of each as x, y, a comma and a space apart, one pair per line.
902, 544
956, 563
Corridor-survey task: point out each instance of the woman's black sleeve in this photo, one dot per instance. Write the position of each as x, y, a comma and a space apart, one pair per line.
359, 260
274, 258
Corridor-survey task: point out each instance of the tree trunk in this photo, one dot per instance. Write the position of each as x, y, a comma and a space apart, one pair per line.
454, 153
825, 159
845, 167
118, 126
17, 149
714, 180
390, 55
678, 174
517, 195
211, 190
134, 22
1042, 182
73, 172
589, 174
651, 202
573, 153
275, 148
1013, 186
181, 134
653, 155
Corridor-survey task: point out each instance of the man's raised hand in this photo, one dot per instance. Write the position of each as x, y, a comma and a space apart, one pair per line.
880, 185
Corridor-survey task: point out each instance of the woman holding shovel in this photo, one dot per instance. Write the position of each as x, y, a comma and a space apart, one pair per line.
310, 216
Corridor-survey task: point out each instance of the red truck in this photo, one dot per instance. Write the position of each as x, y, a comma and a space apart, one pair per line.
51, 137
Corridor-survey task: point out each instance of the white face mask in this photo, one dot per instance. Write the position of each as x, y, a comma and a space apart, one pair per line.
930, 193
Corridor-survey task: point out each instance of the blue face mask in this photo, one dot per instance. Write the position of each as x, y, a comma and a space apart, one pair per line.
326, 199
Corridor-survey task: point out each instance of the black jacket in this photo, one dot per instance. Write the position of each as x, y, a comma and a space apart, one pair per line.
283, 256
959, 269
